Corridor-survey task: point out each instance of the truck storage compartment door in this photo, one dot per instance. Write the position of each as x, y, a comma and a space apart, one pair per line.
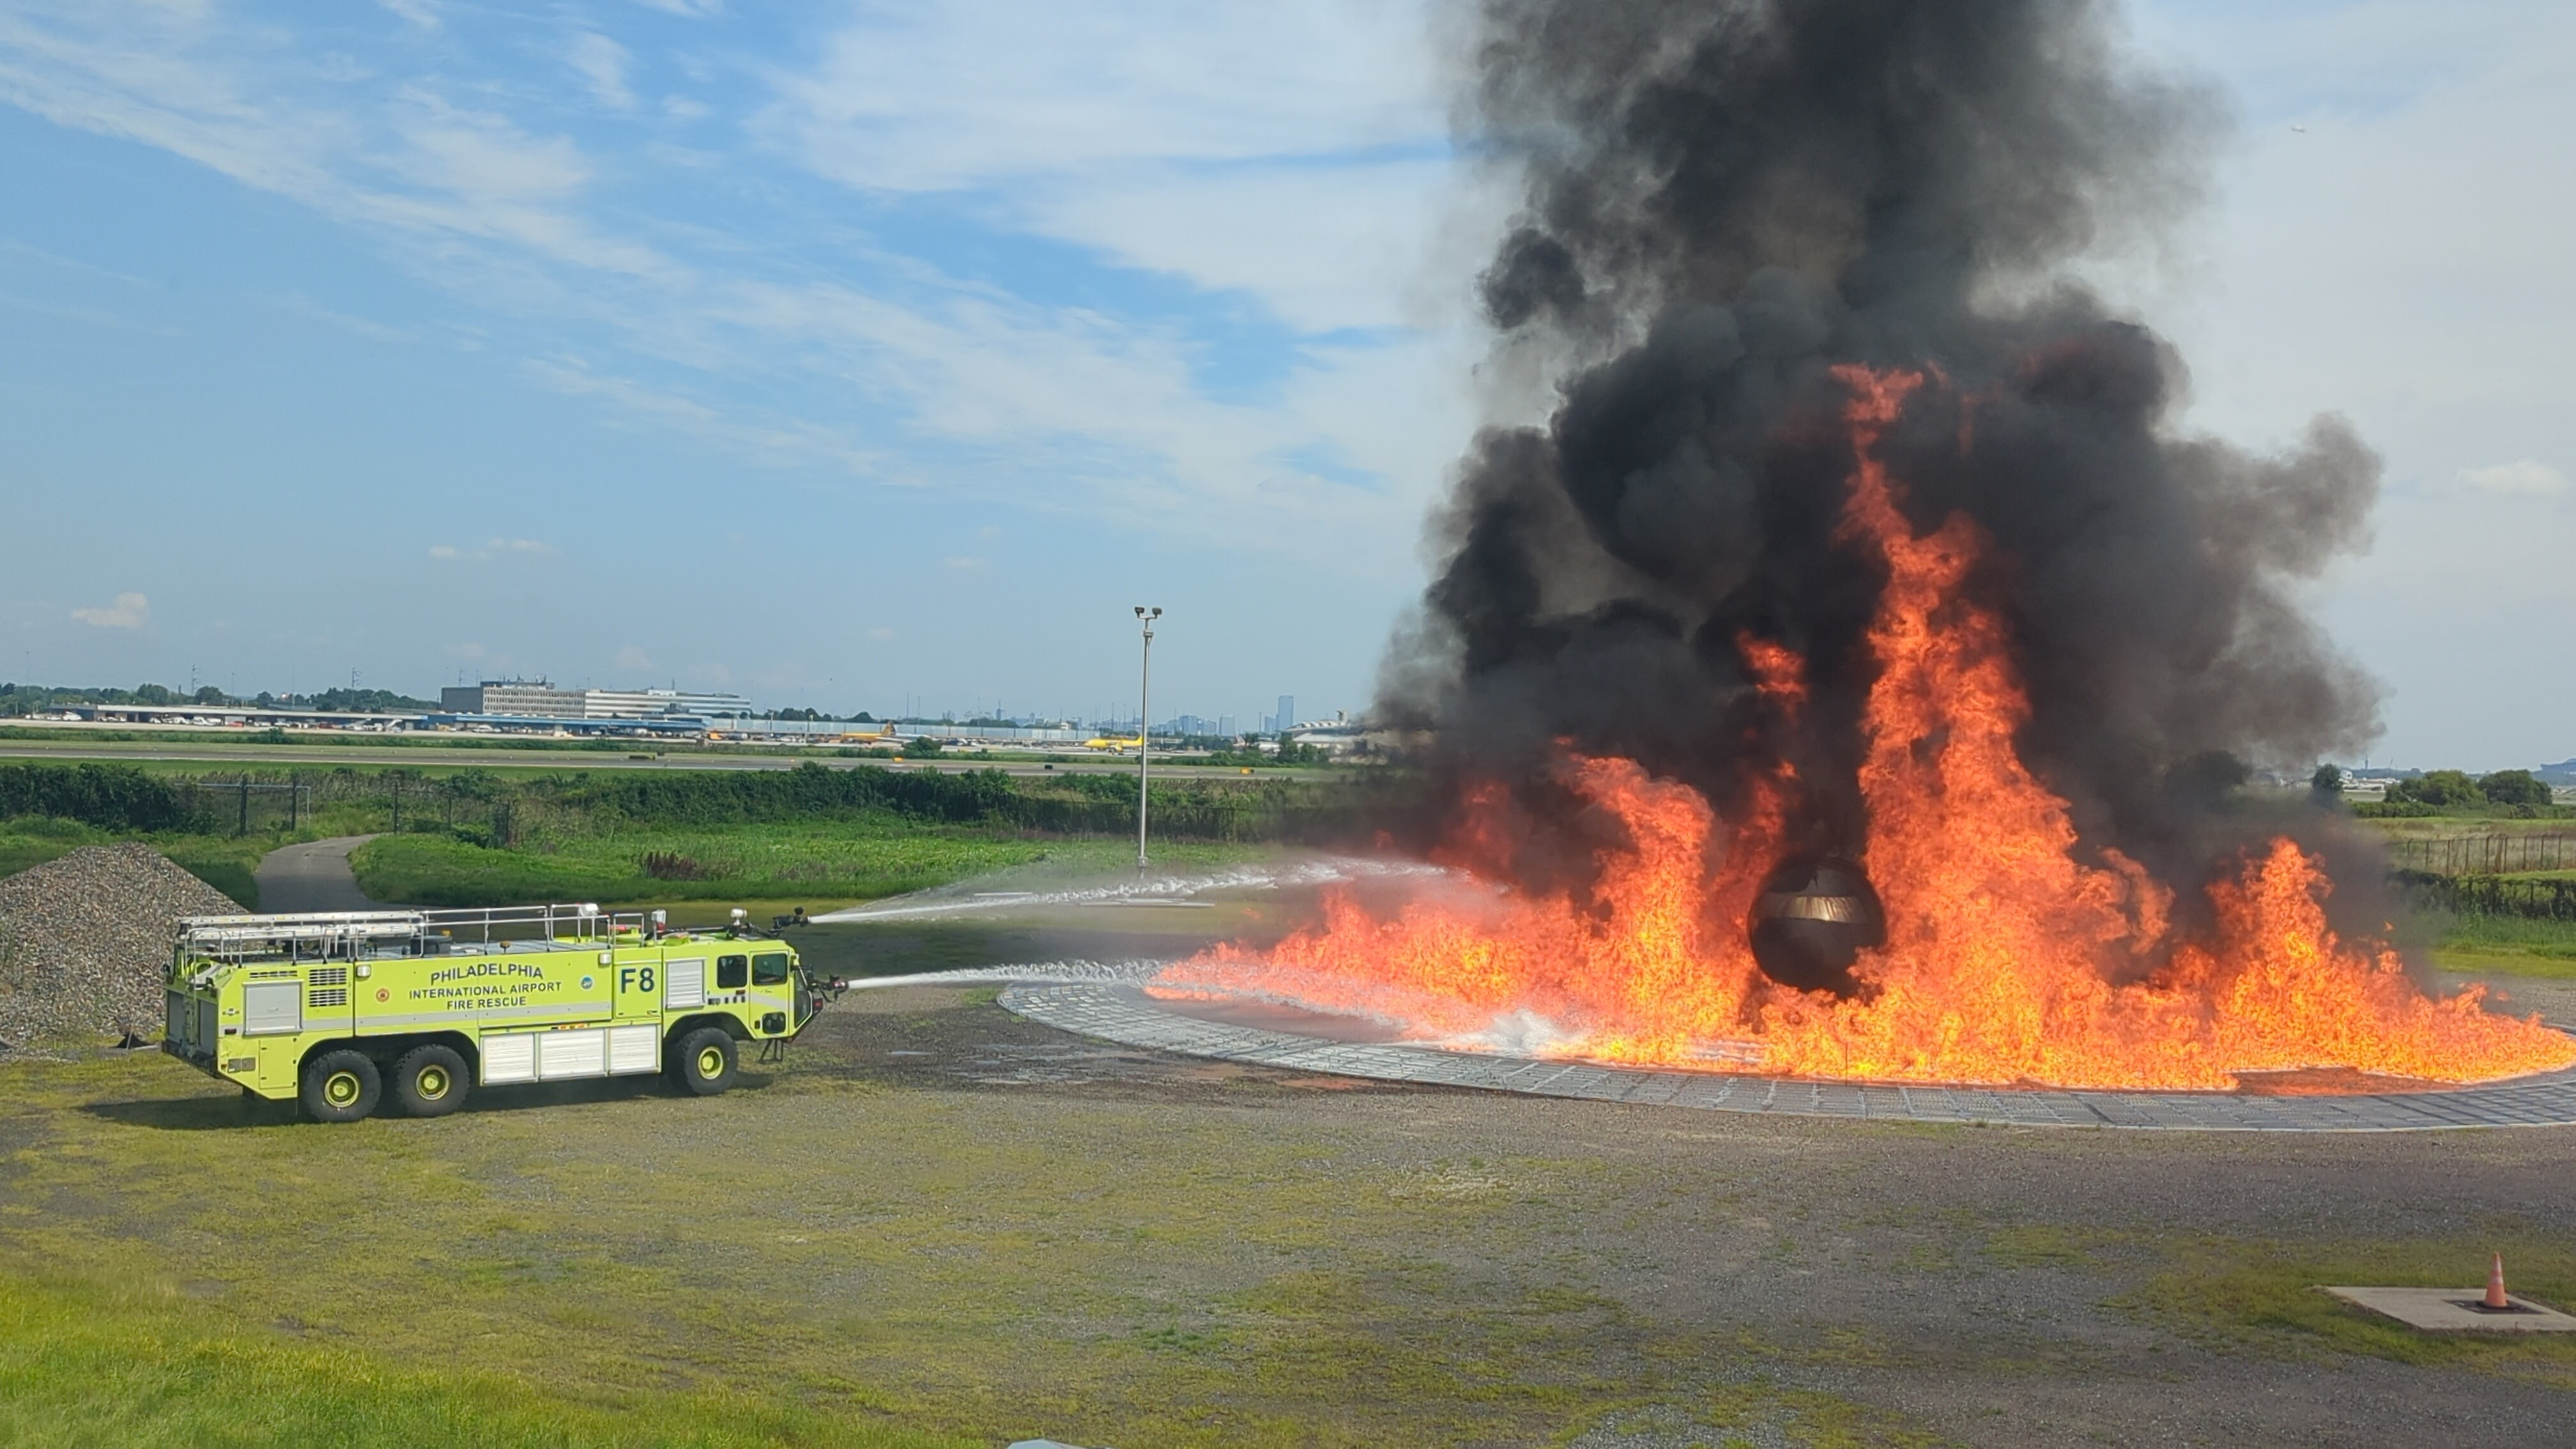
633, 1049
563, 1054
270, 1008
510, 1057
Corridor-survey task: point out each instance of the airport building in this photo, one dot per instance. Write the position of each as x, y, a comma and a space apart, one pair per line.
646, 703
540, 699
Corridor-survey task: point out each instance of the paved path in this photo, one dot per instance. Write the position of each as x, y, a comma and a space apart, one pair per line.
1125, 1014
313, 876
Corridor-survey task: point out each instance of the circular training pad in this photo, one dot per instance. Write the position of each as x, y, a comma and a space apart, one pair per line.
1124, 1013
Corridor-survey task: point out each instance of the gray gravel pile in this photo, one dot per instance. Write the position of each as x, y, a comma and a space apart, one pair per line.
85, 941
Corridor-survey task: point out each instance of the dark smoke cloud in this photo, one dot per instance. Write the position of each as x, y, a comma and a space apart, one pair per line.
1726, 199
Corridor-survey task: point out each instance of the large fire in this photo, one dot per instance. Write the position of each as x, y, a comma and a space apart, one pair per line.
2008, 958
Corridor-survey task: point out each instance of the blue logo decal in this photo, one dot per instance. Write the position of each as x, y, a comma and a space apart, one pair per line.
585, 983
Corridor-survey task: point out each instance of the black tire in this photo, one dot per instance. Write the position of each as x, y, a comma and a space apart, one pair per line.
430, 1081
341, 1086
702, 1063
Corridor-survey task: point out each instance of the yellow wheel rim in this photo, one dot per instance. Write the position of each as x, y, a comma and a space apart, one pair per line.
340, 1088
711, 1062
432, 1083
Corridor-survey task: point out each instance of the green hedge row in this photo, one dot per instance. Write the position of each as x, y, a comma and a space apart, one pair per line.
112, 797
1074, 803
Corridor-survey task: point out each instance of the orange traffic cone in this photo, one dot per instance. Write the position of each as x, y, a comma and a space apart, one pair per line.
2495, 1284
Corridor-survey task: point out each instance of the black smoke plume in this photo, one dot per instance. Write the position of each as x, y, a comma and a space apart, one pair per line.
1727, 198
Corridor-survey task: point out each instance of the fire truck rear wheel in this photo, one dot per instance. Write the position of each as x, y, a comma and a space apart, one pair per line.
341, 1086
702, 1063
430, 1081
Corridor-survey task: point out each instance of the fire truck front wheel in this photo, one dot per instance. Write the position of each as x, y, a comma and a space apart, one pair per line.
702, 1063
429, 1081
341, 1086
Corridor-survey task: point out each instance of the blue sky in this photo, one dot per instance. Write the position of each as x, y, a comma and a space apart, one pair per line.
855, 354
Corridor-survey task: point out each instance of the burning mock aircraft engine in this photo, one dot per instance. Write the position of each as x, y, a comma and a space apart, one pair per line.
1858, 520
1812, 920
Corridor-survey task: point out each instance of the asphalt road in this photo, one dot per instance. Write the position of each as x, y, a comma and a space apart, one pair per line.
313, 875
498, 759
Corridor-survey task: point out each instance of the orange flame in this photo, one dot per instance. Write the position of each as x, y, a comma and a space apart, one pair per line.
2008, 959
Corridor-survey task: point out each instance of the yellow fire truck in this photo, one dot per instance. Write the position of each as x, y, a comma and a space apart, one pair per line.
340, 1011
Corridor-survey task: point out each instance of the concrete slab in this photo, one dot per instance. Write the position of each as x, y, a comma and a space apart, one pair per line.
1120, 1012
2457, 1310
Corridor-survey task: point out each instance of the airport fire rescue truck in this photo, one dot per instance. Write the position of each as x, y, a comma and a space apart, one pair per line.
341, 1011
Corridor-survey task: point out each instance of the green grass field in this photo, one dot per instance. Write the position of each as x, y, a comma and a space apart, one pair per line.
810, 1261
84, 1362
846, 860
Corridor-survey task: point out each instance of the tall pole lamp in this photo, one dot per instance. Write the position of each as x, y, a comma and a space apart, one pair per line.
1144, 727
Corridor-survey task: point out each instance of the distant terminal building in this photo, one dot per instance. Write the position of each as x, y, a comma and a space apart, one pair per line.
646, 703
540, 699
524, 698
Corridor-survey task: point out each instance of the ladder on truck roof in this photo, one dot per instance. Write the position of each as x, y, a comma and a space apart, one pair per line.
239, 935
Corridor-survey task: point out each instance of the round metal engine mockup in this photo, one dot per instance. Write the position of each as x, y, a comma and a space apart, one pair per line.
1812, 920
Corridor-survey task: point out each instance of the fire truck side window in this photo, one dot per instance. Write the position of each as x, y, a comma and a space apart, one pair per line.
732, 972
770, 970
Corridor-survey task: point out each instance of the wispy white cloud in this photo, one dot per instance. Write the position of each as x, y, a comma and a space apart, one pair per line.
602, 63
373, 331
937, 97
496, 549
2529, 478
766, 439
418, 14
127, 611
1306, 126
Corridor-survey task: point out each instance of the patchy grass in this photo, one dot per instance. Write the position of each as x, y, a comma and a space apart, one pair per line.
2514, 945
2485, 961
2265, 1295
606, 1264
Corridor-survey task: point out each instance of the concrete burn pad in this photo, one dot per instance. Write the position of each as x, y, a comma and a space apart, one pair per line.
2457, 1310
1121, 1012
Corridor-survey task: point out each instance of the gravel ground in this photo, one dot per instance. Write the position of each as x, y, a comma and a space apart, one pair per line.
85, 942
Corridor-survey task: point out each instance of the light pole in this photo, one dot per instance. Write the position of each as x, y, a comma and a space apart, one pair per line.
1144, 727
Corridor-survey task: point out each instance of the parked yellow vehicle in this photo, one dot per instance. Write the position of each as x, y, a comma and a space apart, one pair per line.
341, 1011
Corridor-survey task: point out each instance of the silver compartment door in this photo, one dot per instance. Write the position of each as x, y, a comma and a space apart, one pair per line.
510, 1057
562, 1054
634, 1049
272, 1007
684, 984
